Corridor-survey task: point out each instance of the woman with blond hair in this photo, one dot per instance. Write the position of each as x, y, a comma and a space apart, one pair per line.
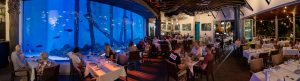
44, 63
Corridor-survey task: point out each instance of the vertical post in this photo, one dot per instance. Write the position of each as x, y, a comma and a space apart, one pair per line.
147, 27
91, 24
237, 32
276, 27
254, 27
294, 26
111, 34
76, 23
14, 11
157, 27
131, 28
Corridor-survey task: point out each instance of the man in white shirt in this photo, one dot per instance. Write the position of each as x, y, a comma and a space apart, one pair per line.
196, 50
76, 56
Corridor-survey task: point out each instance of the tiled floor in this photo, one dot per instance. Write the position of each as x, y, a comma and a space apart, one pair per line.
231, 70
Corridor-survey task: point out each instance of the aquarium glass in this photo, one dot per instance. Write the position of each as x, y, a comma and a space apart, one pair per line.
49, 26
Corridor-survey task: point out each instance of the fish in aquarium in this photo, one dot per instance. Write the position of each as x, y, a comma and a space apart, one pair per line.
69, 30
56, 37
39, 46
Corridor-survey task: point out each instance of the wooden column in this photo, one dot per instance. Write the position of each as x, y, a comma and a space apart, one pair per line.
14, 11
294, 26
276, 27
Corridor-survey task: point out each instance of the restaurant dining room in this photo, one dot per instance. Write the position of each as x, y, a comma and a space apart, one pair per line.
149, 40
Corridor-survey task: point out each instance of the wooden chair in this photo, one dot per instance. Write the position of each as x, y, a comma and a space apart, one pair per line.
134, 58
123, 63
173, 43
274, 52
50, 73
13, 71
256, 65
265, 57
165, 49
277, 59
208, 71
72, 70
173, 71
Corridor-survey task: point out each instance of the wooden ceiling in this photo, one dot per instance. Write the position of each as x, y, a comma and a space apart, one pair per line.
280, 12
174, 7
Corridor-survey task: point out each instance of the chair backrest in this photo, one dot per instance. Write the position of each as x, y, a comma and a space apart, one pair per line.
11, 65
274, 52
256, 65
277, 59
134, 56
50, 73
122, 60
165, 47
263, 55
252, 46
172, 69
173, 43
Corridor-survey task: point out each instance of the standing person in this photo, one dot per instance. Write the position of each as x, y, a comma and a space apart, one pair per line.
19, 63
208, 57
174, 57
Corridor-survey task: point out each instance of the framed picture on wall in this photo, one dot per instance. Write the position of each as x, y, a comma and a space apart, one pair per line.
177, 27
186, 27
169, 27
206, 27
163, 26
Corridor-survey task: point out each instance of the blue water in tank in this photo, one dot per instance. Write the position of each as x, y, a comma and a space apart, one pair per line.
48, 25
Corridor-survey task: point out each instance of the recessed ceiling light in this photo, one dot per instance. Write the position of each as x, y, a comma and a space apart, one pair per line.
285, 7
284, 11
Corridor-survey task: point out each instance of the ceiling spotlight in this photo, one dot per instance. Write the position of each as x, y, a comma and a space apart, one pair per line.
285, 7
284, 11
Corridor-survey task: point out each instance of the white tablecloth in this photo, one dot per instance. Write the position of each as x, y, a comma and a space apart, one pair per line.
32, 65
255, 52
282, 43
288, 51
108, 72
271, 46
285, 70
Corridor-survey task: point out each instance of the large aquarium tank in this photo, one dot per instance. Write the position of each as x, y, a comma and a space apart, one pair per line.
57, 26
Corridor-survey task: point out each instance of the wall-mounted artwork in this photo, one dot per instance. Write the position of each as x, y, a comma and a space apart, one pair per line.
186, 27
169, 27
163, 26
206, 27
177, 27
2, 20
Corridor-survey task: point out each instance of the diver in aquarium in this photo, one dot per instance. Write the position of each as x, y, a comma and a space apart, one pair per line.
76, 58
109, 53
18, 60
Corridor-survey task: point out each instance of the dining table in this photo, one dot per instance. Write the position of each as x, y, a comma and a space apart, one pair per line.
288, 71
103, 69
289, 51
255, 52
32, 64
